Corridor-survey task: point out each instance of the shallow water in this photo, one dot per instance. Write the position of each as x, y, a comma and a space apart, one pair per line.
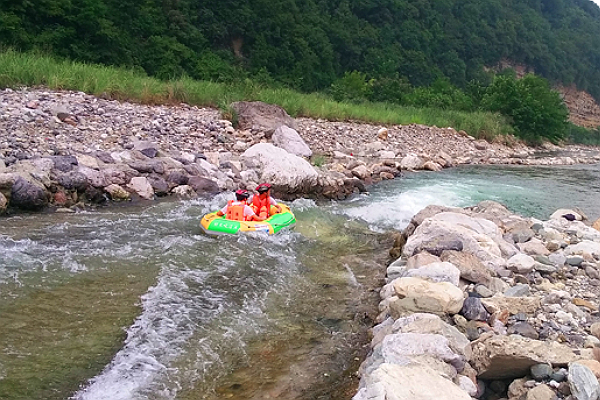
137, 303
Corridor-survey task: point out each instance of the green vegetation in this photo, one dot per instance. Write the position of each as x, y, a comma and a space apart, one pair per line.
18, 69
309, 44
578, 134
318, 160
536, 111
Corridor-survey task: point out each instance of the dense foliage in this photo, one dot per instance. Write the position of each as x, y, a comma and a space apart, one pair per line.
536, 111
409, 52
308, 44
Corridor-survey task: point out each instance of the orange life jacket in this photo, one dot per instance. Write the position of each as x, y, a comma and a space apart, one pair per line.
261, 207
235, 210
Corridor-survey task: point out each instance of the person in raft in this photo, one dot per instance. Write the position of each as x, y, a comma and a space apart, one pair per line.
238, 210
262, 203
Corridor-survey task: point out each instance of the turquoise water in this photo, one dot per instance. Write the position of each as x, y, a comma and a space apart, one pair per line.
136, 303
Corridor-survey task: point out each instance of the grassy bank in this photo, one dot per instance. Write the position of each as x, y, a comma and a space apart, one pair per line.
25, 69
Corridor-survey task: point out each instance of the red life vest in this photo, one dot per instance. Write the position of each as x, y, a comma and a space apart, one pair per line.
261, 207
235, 210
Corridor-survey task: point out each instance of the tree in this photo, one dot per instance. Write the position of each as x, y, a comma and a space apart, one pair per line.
537, 111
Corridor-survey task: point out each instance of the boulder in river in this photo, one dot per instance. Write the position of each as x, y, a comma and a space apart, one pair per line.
27, 195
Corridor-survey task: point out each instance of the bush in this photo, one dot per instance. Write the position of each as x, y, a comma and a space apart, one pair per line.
353, 87
536, 111
441, 94
211, 67
581, 135
390, 90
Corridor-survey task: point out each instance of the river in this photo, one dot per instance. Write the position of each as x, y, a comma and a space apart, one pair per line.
134, 302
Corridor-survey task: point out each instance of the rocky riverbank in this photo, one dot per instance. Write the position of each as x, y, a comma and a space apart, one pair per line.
68, 150
486, 304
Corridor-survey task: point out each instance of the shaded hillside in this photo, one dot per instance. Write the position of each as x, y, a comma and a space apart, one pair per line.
308, 44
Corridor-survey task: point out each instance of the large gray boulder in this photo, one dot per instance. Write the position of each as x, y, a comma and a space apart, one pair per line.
27, 195
261, 116
419, 295
203, 185
289, 140
459, 232
287, 172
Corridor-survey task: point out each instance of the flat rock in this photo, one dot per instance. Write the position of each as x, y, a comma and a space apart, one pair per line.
503, 357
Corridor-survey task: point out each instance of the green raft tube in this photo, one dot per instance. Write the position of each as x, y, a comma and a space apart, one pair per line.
213, 224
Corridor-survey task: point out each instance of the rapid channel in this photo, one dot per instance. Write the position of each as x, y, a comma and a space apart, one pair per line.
135, 302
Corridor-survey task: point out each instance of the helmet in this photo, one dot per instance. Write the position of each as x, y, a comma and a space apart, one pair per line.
242, 193
263, 187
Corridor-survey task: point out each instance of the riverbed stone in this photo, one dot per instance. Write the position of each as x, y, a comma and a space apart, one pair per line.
564, 213
541, 371
432, 324
396, 382
453, 231
27, 195
473, 309
512, 305
521, 263
289, 140
470, 267
534, 247
411, 162
585, 247
593, 366
583, 383
202, 185
117, 193
142, 187
503, 357
95, 178
435, 272
541, 392
420, 259
418, 295
524, 329
519, 290
64, 163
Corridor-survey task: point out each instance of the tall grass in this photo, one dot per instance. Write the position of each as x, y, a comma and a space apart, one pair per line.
31, 70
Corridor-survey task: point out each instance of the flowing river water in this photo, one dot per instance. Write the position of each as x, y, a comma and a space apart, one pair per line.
128, 303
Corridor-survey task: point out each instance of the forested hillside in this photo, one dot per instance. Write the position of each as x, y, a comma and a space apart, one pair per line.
308, 44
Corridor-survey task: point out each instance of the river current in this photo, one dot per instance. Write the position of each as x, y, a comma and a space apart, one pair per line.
128, 303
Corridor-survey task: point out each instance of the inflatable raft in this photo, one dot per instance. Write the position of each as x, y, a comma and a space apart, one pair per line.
213, 224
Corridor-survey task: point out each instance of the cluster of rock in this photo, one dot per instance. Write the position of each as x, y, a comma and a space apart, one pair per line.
486, 304
66, 149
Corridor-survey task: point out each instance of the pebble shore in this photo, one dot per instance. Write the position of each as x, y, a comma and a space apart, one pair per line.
148, 151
